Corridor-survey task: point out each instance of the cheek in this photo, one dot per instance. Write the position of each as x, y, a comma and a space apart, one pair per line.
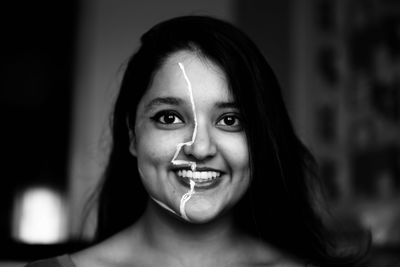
154, 152
235, 151
155, 146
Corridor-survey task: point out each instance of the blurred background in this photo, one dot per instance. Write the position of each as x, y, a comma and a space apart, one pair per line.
338, 62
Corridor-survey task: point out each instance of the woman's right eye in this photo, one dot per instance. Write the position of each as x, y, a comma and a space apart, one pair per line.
167, 117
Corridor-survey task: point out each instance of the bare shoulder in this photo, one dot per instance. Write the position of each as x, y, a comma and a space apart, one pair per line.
285, 263
113, 252
87, 258
274, 263
289, 263
264, 255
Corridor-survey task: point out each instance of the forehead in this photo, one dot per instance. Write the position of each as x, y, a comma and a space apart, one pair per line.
206, 78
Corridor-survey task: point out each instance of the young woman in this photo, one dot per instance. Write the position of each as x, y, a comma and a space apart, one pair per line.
205, 167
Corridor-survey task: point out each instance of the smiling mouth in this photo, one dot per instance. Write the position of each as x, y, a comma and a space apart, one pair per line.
199, 176
204, 178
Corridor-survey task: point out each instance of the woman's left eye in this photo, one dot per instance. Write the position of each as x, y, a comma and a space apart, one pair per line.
230, 122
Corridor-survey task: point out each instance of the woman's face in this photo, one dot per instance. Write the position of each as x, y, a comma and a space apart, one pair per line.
167, 116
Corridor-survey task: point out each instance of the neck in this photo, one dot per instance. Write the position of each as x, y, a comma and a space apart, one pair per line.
168, 233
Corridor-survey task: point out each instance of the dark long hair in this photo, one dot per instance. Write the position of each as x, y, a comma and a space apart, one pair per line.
278, 206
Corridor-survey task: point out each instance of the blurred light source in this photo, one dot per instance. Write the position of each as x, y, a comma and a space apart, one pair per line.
40, 217
381, 218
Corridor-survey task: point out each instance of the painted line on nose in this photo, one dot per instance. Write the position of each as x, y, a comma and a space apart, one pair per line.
180, 145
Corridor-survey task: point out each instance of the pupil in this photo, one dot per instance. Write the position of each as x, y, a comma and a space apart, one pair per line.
169, 118
229, 121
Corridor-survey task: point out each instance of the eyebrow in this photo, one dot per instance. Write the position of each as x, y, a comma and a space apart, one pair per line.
226, 105
173, 101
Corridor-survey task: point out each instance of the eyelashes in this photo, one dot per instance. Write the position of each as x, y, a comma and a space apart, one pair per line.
171, 119
230, 122
168, 119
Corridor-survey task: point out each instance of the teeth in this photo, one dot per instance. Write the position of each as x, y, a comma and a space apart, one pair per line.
199, 176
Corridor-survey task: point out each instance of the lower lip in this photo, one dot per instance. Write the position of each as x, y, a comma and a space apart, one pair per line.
203, 185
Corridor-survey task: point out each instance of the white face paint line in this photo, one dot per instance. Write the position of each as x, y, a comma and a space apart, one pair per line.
158, 201
180, 145
185, 198
164, 205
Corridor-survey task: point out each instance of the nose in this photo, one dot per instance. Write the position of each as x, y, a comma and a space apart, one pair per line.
203, 146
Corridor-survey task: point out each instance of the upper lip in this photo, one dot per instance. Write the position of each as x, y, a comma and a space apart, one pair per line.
198, 168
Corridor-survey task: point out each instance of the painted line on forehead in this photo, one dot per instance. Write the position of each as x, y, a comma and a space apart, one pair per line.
180, 145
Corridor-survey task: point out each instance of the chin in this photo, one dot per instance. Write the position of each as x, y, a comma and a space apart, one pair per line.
201, 211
